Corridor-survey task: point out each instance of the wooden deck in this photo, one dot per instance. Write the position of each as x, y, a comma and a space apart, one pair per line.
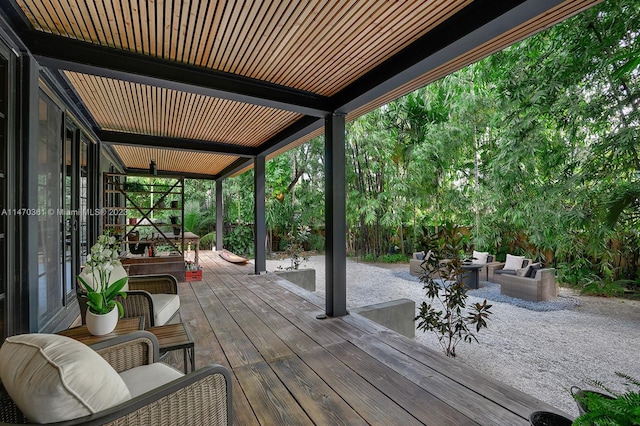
290, 368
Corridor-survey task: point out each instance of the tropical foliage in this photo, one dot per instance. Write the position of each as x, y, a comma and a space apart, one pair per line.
534, 149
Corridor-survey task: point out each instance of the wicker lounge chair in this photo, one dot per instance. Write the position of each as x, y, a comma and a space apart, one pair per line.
201, 397
536, 285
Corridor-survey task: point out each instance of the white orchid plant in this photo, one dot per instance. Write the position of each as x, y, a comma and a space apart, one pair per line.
99, 265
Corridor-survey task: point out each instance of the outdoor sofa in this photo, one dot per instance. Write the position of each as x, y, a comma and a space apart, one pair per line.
530, 281
418, 258
54, 379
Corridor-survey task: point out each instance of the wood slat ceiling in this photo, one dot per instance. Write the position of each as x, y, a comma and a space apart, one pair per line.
124, 106
321, 47
318, 46
177, 161
516, 34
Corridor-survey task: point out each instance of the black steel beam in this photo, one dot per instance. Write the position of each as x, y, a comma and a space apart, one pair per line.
61, 86
474, 25
69, 54
234, 168
295, 131
161, 173
164, 142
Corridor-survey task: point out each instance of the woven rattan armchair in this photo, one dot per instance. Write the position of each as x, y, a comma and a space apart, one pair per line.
139, 300
199, 398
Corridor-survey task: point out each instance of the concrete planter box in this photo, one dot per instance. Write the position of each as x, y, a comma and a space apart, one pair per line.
397, 315
305, 278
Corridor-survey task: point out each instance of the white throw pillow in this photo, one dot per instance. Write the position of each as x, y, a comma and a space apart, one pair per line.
480, 257
117, 273
513, 262
54, 378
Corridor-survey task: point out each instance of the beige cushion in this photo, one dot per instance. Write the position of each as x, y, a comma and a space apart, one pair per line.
480, 257
164, 307
117, 273
522, 271
53, 378
513, 262
142, 379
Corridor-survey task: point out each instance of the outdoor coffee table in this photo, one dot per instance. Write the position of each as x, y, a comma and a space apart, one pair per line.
470, 277
172, 337
125, 326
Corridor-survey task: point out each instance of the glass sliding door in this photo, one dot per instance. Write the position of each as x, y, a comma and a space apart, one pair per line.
70, 221
4, 218
51, 229
83, 196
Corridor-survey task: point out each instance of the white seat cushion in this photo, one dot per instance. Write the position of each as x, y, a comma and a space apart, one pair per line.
164, 307
54, 378
513, 263
142, 379
480, 257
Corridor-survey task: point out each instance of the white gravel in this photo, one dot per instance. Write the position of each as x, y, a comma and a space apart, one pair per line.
540, 353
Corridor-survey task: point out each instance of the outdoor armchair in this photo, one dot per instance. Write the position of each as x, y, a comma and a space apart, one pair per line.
154, 297
119, 373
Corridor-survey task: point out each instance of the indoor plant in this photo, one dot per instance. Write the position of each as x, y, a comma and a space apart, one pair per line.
101, 292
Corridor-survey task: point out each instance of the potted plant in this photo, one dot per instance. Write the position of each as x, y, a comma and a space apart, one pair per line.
610, 408
305, 278
547, 418
102, 315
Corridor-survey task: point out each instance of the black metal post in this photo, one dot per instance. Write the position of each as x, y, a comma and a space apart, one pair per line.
335, 216
219, 215
259, 214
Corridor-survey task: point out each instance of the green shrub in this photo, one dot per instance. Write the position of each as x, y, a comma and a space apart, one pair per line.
446, 313
240, 240
614, 409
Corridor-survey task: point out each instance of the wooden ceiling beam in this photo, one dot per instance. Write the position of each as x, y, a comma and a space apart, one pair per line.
73, 55
133, 139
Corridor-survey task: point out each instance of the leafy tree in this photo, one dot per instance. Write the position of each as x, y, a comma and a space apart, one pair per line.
446, 313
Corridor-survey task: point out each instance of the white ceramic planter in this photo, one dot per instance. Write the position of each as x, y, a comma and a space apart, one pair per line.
99, 325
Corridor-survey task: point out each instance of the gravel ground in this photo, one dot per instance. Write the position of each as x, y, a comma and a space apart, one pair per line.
541, 352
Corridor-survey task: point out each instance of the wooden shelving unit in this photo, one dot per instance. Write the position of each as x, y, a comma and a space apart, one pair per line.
146, 214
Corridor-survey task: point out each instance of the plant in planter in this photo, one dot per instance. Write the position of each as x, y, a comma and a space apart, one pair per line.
446, 314
295, 247
611, 408
101, 293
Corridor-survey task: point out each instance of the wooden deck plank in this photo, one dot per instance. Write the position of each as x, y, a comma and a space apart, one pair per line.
320, 402
291, 335
461, 398
242, 410
288, 367
303, 319
269, 398
374, 406
235, 344
507, 396
422, 404
263, 339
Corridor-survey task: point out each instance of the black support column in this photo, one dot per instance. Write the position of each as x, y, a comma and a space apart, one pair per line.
335, 216
219, 215
259, 214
